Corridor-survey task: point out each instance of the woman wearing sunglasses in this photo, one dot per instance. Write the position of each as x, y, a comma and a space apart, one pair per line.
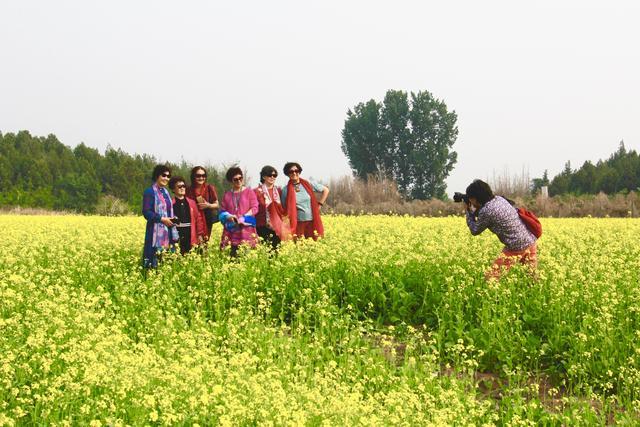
301, 204
269, 224
157, 209
205, 196
191, 228
238, 211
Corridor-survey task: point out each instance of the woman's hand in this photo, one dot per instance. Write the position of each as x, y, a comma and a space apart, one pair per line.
167, 221
205, 205
470, 208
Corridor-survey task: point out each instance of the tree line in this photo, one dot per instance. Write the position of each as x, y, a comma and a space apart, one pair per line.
406, 139
620, 173
42, 172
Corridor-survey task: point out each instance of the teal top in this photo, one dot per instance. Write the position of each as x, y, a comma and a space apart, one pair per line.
303, 200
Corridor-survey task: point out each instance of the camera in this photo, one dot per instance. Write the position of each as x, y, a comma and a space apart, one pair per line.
460, 197
175, 220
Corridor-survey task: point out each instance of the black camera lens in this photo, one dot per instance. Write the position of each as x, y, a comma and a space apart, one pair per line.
460, 197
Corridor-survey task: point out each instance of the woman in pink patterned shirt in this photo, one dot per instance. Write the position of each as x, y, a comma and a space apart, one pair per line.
238, 211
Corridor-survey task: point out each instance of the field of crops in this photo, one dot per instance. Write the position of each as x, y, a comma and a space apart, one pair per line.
388, 320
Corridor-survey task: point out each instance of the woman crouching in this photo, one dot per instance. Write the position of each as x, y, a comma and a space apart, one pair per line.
484, 210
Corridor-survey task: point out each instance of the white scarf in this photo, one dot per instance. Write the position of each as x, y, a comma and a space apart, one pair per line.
268, 200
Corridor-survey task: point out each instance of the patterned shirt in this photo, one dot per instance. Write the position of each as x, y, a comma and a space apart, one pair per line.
503, 220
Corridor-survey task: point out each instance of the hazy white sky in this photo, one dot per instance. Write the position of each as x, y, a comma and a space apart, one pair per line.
534, 84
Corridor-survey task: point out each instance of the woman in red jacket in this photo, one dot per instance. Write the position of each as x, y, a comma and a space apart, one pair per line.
205, 196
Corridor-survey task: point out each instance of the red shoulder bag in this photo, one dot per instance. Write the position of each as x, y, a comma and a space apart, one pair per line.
531, 221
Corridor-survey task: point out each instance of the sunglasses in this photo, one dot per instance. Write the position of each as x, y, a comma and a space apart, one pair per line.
237, 179
166, 175
273, 175
292, 171
201, 175
181, 186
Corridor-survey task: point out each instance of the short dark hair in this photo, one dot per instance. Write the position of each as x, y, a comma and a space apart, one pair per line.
289, 165
480, 190
175, 180
233, 171
159, 170
195, 170
267, 171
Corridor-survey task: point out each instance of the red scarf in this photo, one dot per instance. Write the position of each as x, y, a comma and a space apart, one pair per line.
275, 211
292, 210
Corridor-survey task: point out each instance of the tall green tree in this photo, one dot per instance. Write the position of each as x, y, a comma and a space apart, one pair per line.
361, 141
407, 138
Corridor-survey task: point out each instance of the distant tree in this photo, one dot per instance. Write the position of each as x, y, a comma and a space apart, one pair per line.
361, 141
619, 173
538, 183
561, 183
407, 139
584, 179
42, 172
608, 180
76, 192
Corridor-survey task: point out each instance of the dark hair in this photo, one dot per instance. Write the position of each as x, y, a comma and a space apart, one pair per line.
233, 171
480, 190
175, 180
289, 165
159, 170
193, 173
267, 171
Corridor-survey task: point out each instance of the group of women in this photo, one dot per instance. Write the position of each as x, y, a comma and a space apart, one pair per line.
248, 215
272, 215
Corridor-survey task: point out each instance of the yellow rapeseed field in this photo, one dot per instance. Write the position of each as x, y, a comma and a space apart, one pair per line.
386, 321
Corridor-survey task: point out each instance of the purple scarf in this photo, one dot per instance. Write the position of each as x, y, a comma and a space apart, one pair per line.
162, 235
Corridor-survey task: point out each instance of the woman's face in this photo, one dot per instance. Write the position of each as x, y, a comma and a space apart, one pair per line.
294, 174
270, 179
163, 179
200, 177
236, 182
180, 189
